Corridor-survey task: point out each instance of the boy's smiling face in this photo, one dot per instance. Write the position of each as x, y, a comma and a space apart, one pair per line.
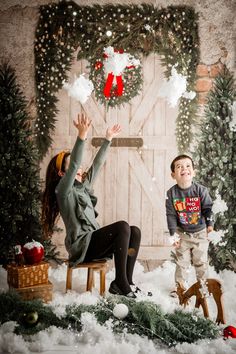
183, 173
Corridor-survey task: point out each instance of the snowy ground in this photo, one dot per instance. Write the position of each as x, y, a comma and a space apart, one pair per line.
97, 339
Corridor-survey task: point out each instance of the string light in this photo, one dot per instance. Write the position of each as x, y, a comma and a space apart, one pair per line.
131, 14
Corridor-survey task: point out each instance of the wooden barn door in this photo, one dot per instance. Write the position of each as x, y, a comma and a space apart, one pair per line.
133, 182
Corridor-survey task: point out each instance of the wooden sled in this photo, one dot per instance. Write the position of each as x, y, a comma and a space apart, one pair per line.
214, 288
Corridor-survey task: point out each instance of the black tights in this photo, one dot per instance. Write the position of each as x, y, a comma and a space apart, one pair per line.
122, 240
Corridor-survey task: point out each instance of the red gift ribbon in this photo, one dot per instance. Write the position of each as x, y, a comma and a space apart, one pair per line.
108, 85
110, 77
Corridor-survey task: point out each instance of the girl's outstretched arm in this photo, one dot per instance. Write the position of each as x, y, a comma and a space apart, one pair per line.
82, 124
101, 154
113, 131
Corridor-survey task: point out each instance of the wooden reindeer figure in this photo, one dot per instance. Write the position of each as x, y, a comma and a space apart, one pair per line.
214, 288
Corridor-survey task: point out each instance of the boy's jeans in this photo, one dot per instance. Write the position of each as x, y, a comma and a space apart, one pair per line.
193, 250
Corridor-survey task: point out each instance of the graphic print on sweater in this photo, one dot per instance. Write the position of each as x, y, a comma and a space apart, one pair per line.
188, 210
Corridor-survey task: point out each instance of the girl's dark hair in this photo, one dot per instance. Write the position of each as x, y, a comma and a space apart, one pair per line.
180, 157
50, 210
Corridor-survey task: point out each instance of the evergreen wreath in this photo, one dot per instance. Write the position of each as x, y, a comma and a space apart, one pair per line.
131, 79
64, 27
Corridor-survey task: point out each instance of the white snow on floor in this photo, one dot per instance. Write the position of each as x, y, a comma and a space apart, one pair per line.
97, 339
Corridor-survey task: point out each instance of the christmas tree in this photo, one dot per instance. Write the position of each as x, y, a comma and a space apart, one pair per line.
19, 171
216, 157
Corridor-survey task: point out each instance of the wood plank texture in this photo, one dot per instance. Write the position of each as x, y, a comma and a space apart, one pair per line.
132, 183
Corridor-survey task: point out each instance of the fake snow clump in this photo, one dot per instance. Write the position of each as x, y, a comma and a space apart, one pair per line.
175, 87
80, 89
117, 62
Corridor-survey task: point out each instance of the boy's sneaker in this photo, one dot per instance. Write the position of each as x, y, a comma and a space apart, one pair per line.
179, 290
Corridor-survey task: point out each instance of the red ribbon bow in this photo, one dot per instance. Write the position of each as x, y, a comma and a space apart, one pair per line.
119, 81
108, 85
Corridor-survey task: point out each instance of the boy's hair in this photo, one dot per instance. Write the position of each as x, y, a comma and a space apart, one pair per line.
180, 157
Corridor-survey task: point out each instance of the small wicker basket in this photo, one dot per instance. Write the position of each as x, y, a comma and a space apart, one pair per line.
42, 291
27, 275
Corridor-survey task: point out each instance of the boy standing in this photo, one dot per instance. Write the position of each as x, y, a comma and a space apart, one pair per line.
189, 220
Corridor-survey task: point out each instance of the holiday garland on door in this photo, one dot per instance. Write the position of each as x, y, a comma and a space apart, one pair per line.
137, 29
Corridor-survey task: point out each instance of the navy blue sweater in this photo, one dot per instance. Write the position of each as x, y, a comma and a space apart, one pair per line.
189, 209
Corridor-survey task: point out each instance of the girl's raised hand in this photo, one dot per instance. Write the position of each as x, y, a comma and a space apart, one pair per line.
113, 131
82, 124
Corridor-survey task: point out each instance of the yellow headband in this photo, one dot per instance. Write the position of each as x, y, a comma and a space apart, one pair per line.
59, 159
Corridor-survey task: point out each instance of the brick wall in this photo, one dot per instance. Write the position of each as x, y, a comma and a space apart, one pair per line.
206, 75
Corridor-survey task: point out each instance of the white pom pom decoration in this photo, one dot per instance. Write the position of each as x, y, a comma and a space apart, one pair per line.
80, 89
175, 87
117, 62
120, 311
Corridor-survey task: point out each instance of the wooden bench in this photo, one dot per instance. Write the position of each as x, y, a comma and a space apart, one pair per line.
100, 266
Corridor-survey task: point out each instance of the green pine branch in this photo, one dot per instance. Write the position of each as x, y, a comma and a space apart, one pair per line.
144, 318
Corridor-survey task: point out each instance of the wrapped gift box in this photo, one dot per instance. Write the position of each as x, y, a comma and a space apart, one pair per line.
27, 275
42, 291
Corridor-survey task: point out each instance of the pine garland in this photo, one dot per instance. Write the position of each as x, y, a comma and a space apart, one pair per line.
138, 29
144, 318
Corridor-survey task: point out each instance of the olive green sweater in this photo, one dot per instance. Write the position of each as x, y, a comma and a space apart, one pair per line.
76, 202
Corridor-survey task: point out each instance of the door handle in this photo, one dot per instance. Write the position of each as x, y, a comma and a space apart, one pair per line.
119, 142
